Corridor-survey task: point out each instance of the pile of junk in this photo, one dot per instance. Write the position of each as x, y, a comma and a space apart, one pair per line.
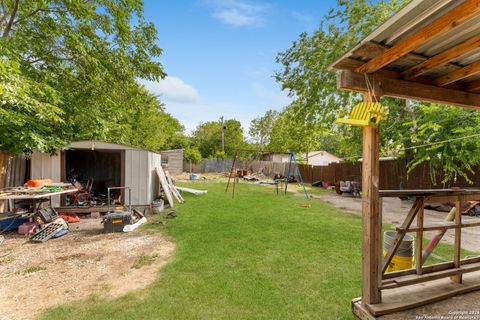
33, 216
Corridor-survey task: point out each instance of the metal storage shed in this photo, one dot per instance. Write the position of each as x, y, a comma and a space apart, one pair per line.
108, 164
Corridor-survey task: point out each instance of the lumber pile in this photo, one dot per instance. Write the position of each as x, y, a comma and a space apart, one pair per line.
170, 191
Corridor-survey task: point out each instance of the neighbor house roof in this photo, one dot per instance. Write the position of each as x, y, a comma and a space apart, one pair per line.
322, 153
427, 51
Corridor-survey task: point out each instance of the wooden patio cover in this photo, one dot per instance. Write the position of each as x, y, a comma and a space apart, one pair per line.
428, 51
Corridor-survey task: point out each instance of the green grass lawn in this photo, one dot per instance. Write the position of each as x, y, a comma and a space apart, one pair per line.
258, 256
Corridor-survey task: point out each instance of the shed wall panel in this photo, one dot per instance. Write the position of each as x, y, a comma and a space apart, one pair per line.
154, 161
136, 176
43, 165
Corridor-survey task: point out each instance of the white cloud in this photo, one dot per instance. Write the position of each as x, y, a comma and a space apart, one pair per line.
239, 13
172, 88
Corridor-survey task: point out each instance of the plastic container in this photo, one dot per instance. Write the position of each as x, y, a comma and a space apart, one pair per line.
403, 258
38, 182
193, 176
12, 222
157, 206
26, 228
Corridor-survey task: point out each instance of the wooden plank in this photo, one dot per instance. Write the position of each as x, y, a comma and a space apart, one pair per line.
419, 239
464, 12
192, 191
457, 247
38, 196
360, 310
414, 296
429, 192
349, 80
474, 86
164, 185
442, 58
443, 225
401, 233
432, 268
174, 191
371, 216
415, 279
463, 73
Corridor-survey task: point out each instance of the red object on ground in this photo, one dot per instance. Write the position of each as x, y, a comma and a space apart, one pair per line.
26, 228
69, 217
38, 182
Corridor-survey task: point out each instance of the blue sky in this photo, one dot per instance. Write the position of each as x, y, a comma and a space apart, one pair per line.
220, 54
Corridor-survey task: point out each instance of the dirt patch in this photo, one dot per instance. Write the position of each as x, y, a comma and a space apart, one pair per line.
86, 261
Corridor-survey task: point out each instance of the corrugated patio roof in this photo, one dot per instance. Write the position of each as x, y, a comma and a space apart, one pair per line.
432, 42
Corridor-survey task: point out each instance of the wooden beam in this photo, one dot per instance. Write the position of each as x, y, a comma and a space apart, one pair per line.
371, 216
463, 73
352, 64
474, 86
441, 25
442, 58
415, 278
349, 80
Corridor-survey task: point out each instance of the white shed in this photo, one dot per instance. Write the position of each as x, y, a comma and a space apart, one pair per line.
108, 164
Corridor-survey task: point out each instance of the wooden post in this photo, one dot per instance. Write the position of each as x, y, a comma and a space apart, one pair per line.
458, 239
371, 217
419, 240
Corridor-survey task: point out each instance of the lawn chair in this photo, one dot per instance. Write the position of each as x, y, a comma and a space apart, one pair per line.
83, 196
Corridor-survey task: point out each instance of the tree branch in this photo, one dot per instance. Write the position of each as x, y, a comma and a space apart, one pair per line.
8, 28
28, 15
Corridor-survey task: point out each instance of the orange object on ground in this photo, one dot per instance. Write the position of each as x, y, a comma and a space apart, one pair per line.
69, 217
38, 182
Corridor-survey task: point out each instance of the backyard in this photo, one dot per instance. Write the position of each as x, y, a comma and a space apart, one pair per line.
258, 255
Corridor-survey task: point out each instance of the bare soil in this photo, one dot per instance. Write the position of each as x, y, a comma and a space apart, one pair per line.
35, 276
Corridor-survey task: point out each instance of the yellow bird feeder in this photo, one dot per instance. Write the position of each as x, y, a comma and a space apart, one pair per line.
364, 114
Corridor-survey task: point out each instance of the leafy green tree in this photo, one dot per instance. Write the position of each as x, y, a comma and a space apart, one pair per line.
261, 128
29, 114
78, 61
208, 137
449, 148
305, 75
192, 155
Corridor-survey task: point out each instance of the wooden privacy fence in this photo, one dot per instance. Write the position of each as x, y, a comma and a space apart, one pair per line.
14, 169
268, 168
393, 173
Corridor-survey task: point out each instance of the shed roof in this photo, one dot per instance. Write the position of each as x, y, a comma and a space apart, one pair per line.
101, 145
429, 50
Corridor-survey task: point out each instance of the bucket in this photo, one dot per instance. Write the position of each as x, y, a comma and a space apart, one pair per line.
193, 177
157, 206
403, 258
